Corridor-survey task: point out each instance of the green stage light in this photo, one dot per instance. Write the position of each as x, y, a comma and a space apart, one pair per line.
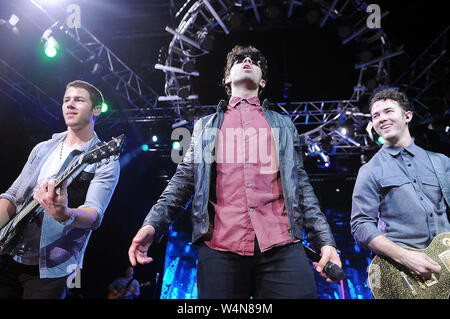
176, 145
381, 140
51, 47
145, 147
104, 107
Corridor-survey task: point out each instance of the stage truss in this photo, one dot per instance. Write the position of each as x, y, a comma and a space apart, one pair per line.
320, 123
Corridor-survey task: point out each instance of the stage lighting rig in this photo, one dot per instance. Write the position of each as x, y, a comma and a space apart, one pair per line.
11, 24
51, 45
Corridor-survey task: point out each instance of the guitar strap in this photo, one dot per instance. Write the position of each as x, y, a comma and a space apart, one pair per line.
440, 174
129, 283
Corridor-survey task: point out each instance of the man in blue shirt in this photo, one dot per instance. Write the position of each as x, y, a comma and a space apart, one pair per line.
53, 246
125, 287
398, 199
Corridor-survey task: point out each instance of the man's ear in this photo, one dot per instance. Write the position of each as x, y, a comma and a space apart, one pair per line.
97, 110
262, 83
408, 116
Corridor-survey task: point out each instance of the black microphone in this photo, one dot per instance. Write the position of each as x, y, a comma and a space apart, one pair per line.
333, 271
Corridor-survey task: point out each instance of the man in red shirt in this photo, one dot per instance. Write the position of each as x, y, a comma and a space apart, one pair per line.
252, 197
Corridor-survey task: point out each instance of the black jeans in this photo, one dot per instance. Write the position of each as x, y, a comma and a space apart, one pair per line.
280, 273
22, 281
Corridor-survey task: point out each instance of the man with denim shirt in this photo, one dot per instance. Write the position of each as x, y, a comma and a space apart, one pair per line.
52, 247
400, 197
248, 212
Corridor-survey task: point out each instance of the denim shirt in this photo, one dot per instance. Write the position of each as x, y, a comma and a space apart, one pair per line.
397, 194
62, 247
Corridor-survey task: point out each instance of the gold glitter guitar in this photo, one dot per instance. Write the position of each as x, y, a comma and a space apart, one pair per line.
390, 280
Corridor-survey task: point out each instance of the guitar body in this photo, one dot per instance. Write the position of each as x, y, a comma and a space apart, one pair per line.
11, 234
117, 295
390, 280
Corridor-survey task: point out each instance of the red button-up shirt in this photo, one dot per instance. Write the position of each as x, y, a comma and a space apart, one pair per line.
249, 195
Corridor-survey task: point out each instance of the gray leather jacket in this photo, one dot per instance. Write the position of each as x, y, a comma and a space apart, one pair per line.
193, 177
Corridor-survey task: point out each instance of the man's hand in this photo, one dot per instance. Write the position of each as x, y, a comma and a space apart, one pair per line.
140, 245
55, 205
419, 263
327, 253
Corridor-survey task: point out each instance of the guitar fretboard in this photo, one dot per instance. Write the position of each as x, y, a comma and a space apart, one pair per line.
32, 205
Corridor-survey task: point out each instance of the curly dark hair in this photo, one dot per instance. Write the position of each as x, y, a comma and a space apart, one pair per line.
243, 50
394, 95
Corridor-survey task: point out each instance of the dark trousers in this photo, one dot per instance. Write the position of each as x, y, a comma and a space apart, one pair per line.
22, 281
280, 273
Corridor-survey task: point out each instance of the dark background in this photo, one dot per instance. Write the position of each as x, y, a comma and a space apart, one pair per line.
311, 59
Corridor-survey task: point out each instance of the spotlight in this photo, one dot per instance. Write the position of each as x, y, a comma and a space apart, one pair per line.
381, 140
184, 92
189, 66
13, 20
176, 145
11, 24
104, 107
155, 138
51, 46
145, 147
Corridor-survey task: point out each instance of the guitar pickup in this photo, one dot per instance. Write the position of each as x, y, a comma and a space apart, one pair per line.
432, 281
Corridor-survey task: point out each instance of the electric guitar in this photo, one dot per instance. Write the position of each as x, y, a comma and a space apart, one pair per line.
11, 233
123, 291
390, 280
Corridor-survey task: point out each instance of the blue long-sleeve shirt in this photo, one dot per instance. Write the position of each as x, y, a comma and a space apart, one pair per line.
397, 194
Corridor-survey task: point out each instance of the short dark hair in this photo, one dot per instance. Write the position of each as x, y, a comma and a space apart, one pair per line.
243, 50
390, 94
95, 94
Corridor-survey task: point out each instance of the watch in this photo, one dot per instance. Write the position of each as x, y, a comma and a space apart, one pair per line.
69, 220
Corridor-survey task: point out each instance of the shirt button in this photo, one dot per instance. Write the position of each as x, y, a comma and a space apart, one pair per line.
431, 214
246, 123
250, 210
414, 180
249, 185
246, 140
409, 164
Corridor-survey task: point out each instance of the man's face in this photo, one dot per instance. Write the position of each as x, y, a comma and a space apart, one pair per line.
129, 272
389, 119
245, 72
77, 108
